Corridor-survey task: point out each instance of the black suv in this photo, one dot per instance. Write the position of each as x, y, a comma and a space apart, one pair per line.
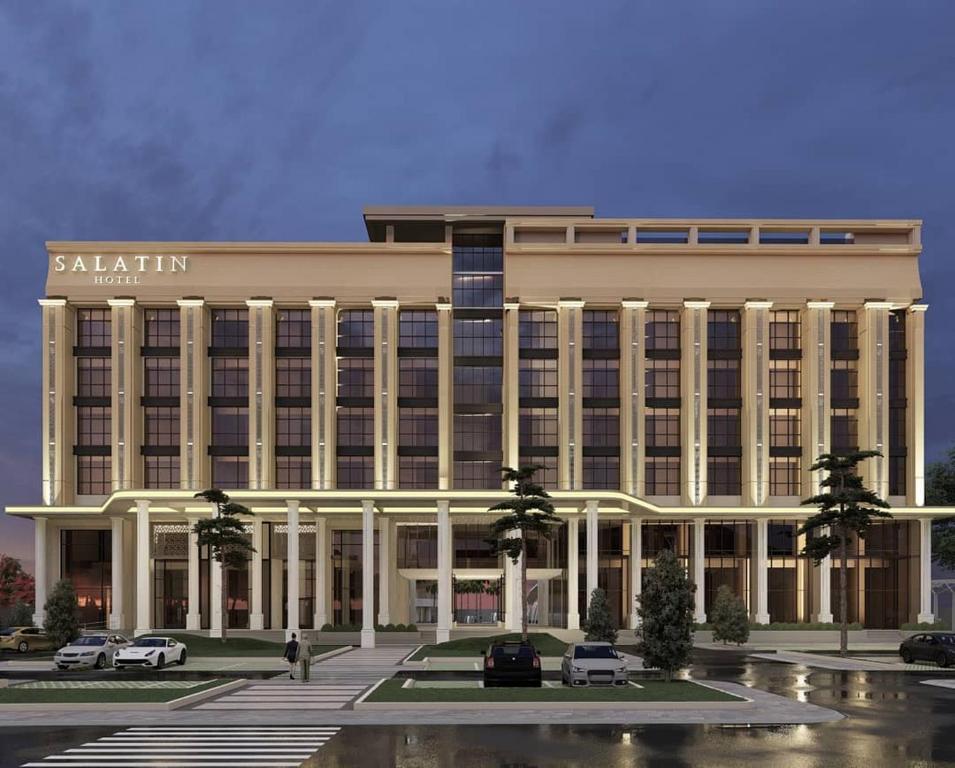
929, 646
512, 664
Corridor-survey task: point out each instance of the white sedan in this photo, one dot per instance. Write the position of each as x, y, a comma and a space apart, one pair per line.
151, 652
89, 651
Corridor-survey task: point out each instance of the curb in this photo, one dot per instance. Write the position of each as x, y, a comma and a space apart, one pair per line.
617, 706
157, 706
208, 693
329, 654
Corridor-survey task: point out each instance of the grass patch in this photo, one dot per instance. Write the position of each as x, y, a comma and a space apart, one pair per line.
678, 690
15, 695
199, 645
547, 645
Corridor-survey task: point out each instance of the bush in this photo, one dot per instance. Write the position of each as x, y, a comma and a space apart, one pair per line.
411, 628
936, 626
791, 626
21, 615
665, 608
327, 628
599, 624
61, 623
729, 617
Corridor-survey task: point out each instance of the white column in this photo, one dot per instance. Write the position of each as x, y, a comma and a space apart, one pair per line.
215, 591
321, 567
444, 571
143, 569
39, 568
592, 553
699, 569
573, 566
925, 570
512, 590
384, 570
825, 588
761, 602
291, 569
193, 619
256, 619
117, 620
367, 573
636, 568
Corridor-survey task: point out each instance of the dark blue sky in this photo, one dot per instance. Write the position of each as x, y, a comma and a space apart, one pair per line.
186, 120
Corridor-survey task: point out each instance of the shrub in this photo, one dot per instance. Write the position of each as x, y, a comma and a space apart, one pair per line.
665, 608
411, 628
400, 628
599, 624
729, 617
327, 628
61, 623
21, 616
935, 626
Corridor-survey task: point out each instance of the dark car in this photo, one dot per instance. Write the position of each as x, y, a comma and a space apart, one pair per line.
929, 646
512, 664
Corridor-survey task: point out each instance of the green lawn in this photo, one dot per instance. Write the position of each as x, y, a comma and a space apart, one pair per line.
98, 696
199, 645
547, 645
678, 690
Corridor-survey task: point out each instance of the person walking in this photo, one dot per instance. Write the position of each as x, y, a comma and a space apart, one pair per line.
305, 657
291, 655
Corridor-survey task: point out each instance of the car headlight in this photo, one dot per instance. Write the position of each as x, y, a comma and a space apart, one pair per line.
150, 653
623, 669
578, 669
88, 653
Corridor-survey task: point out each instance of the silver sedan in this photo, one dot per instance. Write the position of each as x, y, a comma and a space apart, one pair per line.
592, 663
90, 651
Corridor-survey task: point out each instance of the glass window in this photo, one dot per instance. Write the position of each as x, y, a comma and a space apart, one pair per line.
784, 476
478, 253
663, 329
723, 379
897, 379
293, 472
230, 328
293, 377
601, 329
93, 377
547, 476
844, 330
784, 428
293, 329
538, 329
723, 329
161, 328
663, 428
418, 472
897, 331
356, 329
93, 475
845, 430
481, 475
418, 377
356, 427
538, 427
723, 425
230, 377
293, 427
601, 378
477, 384
845, 380
478, 290
93, 425
478, 338
602, 472
663, 379
601, 427
161, 426
418, 329
356, 472
161, 376
230, 426
538, 378
663, 476
784, 379
418, 427
356, 377
93, 328
477, 432
417, 546
784, 330
723, 475
161, 472
230, 471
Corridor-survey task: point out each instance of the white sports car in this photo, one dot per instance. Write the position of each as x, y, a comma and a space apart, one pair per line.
89, 651
151, 652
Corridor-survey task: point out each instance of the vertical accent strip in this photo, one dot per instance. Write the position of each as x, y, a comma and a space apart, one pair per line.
760, 407
385, 351
49, 492
320, 362
120, 414
190, 398
697, 405
259, 316
571, 396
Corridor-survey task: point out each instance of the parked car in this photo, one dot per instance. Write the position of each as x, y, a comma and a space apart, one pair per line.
929, 646
89, 651
512, 664
24, 639
592, 663
151, 652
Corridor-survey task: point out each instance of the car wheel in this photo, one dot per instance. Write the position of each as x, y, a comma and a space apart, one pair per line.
23, 646
161, 661
942, 659
101, 661
182, 658
907, 656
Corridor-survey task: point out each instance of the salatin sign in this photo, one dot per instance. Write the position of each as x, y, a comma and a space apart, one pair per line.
120, 270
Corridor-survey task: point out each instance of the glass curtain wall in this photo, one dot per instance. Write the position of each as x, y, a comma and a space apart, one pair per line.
160, 398
229, 398
789, 574
785, 403
728, 550
355, 401
601, 399
724, 403
613, 568
293, 391
417, 549
538, 393
86, 562
418, 398
662, 412
547, 597
93, 444
347, 576
275, 576
170, 553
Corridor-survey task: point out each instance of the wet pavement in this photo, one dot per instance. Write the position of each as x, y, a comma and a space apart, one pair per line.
893, 720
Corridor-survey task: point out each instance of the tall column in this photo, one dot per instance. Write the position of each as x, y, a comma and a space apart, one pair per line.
512, 365
321, 572
193, 616
117, 620
632, 377
761, 603
57, 411
384, 570
699, 569
445, 379
815, 388
143, 570
573, 566
570, 375
444, 571
323, 393
39, 571
915, 405
261, 394
386, 393
593, 554
194, 424
512, 590
925, 570
215, 591
873, 391
367, 574
825, 588
755, 391
292, 568
256, 618
693, 390
636, 568
125, 461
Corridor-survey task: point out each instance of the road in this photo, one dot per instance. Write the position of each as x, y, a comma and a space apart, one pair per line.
893, 720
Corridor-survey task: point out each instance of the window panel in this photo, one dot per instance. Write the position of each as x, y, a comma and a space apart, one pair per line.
93, 327
355, 472
723, 476
784, 330
478, 338
601, 329
784, 379
418, 472
483, 290
293, 472
844, 331
161, 328
418, 427
723, 329
356, 377
538, 378
845, 430
538, 427
161, 426
477, 475
93, 475
663, 329
230, 328
663, 475
602, 472
418, 377
293, 427
844, 380
784, 476
356, 427
601, 378
161, 376
662, 379
93, 377
601, 427
663, 428
230, 427
230, 471
477, 384
293, 377
356, 329
93, 425
293, 329
230, 377
723, 381
418, 329
477, 432
161, 472
723, 425
537, 329
784, 428
548, 475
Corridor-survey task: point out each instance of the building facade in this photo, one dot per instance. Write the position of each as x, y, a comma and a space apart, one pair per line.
675, 379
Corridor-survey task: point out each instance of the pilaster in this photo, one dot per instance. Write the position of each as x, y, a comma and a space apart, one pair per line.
144, 576
755, 391
56, 413
384, 569
511, 423
815, 387
636, 569
124, 405
445, 379
915, 406
593, 546
570, 376
699, 569
322, 572
925, 571
761, 601
292, 567
573, 568
367, 574
40, 570
194, 389
323, 393
261, 394
632, 397
256, 617
118, 576
193, 616
873, 393
386, 391
693, 344
444, 571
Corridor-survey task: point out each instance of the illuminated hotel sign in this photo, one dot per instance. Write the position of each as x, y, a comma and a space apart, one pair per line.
120, 270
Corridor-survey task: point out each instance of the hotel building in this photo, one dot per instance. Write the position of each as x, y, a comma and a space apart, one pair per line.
675, 379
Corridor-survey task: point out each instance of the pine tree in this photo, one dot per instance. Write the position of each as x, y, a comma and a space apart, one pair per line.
729, 617
599, 625
61, 624
665, 609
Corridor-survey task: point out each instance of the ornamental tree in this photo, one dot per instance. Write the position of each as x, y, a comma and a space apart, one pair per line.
224, 534
530, 511
665, 609
846, 507
16, 585
61, 623
600, 624
729, 617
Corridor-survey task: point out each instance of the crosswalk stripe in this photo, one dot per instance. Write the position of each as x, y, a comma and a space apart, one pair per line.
277, 729
258, 705
59, 763
191, 750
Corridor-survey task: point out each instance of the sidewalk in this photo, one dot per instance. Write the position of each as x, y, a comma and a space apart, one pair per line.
855, 663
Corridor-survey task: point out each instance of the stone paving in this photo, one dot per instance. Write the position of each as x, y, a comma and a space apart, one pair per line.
849, 664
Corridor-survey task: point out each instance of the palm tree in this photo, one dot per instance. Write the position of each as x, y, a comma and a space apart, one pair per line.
529, 511
845, 506
224, 534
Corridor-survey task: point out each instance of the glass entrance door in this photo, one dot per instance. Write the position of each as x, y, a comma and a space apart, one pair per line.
478, 601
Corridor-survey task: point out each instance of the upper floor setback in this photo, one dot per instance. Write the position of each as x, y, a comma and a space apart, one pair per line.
549, 253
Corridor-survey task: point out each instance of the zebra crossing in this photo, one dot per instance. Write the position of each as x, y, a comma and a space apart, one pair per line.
196, 747
289, 694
